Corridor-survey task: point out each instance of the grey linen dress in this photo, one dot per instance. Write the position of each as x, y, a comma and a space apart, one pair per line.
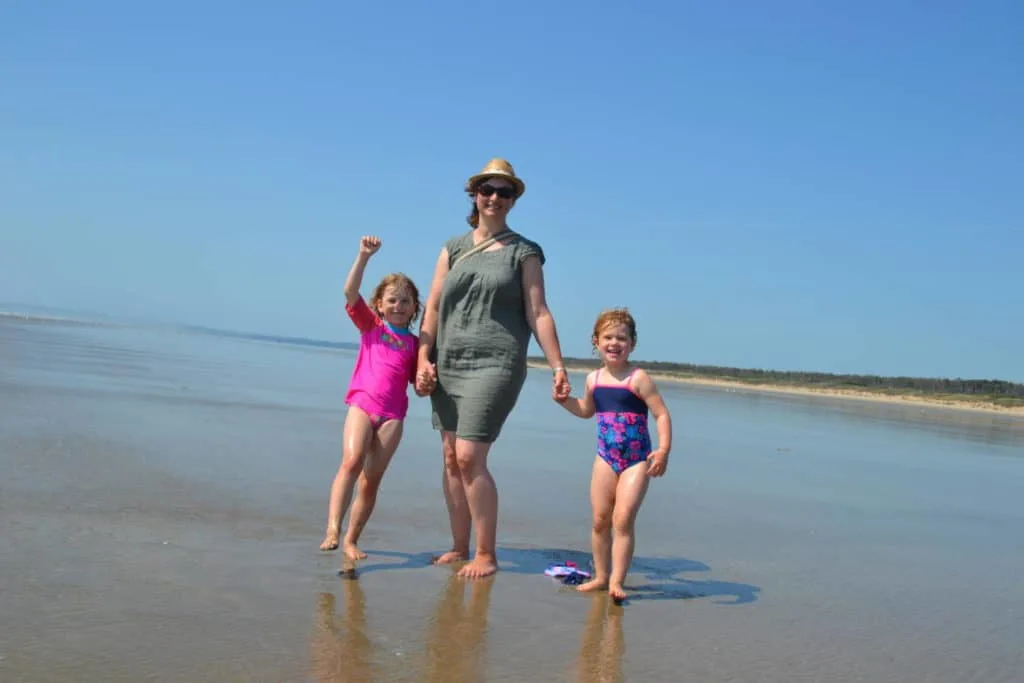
482, 338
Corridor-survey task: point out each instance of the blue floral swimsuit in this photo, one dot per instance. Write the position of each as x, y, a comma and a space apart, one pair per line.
623, 439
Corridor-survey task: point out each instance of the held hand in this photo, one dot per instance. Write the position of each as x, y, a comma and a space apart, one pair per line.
421, 387
561, 388
425, 385
369, 244
657, 463
426, 377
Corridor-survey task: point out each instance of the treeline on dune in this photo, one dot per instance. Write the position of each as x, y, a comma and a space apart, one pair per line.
985, 389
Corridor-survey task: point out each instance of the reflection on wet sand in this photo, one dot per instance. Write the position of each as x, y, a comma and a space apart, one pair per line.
602, 644
343, 652
456, 642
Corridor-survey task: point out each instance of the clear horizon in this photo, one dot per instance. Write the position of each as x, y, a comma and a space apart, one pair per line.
35, 311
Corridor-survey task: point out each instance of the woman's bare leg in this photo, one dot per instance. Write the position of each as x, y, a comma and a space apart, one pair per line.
383, 446
482, 496
355, 443
629, 494
455, 500
603, 481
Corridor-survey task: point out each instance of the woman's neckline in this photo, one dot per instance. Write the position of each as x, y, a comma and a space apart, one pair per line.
497, 246
507, 231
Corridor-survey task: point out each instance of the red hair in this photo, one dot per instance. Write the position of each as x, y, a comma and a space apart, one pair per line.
612, 317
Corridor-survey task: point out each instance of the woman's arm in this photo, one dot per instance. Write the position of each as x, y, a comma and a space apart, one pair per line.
426, 373
539, 317
428, 328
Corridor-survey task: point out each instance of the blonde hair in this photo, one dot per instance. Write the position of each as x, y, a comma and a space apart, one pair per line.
611, 317
396, 280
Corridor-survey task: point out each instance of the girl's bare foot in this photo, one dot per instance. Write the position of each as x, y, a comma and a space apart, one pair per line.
353, 553
616, 592
479, 567
451, 557
330, 541
595, 584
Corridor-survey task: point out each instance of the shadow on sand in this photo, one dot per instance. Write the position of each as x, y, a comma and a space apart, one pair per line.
661, 576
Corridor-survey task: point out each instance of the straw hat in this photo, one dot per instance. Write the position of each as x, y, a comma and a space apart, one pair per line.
497, 168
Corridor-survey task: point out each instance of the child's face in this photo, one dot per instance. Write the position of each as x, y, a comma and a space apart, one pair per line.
396, 305
614, 344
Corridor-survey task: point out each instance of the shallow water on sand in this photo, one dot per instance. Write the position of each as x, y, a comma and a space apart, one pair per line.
163, 494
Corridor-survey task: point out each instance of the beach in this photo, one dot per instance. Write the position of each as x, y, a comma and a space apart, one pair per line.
164, 495
853, 394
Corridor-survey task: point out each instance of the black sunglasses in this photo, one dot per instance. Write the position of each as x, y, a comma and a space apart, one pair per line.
503, 192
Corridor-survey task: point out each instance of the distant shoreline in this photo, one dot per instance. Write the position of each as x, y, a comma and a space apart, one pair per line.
945, 401
665, 372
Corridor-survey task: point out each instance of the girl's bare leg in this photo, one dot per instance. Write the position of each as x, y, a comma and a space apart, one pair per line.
383, 446
482, 496
603, 481
355, 443
455, 500
629, 494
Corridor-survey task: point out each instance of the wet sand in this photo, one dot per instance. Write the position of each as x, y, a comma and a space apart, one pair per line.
163, 498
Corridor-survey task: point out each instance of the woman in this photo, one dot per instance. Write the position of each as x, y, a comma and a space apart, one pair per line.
486, 299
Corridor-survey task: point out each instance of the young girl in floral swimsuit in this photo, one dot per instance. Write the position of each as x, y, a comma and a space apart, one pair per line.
620, 395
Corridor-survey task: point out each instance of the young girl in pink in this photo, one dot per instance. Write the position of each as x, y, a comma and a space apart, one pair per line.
377, 397
621, 396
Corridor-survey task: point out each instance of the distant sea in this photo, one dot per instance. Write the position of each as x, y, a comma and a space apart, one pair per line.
164, 491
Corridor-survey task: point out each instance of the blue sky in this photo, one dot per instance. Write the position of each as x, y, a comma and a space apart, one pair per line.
793, 185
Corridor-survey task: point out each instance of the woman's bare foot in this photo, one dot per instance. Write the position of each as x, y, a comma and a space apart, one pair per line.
451, 557
479, 567
595, 584
616, 592
330, 541
353, 553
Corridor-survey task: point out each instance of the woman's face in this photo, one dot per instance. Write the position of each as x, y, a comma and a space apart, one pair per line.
494, 197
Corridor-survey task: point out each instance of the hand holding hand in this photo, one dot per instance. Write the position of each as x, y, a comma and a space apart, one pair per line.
426, 377
657, 463
561, 388
369, 244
